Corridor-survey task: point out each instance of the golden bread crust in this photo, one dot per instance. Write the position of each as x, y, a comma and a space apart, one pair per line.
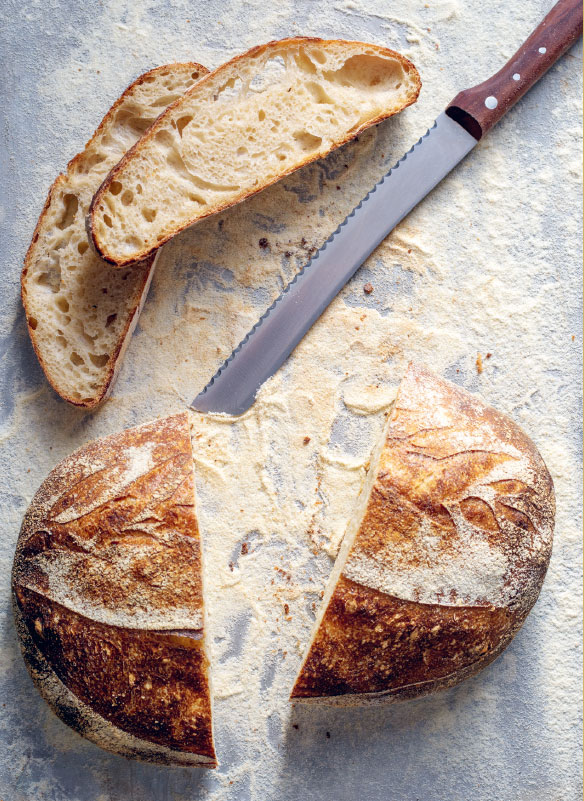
449, 556
107, 581
369, 642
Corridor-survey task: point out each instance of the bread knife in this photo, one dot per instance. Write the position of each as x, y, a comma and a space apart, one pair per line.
455, 132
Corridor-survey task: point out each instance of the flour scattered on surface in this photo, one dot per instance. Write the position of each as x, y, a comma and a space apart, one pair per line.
486, 263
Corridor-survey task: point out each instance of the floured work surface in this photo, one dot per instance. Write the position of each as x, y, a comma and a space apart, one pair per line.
481, 283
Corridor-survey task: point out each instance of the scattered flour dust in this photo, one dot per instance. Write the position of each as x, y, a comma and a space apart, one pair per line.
485, 265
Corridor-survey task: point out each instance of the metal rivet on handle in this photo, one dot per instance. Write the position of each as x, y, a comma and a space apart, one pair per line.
491, 102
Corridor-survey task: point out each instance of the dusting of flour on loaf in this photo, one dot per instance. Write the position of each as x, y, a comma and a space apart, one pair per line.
136, 462
487, 263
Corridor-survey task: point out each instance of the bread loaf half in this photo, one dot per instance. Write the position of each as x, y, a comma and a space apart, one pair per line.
255, 119
80, 312
444, 557
108, 592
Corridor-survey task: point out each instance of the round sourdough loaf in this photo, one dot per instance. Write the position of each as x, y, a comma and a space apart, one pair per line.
108, 595
444, 557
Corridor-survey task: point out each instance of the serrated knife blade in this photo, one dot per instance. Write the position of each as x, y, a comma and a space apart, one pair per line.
233, 388
456, 131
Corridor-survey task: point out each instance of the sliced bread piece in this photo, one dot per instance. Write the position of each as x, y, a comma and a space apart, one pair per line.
257, 118
80, 312
444, 557
108, 592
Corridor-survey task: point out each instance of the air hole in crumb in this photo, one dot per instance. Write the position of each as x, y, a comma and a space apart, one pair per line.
261, 115
111, 318
82, 247
99, 360
165, 138
307, 141
138, 189
76, 358
318, 93
134, 242
149, 214
182, 124
241, 151
108, 221
62, 304
163, 101
304, 63
194, 75
115, 187
136, 125
70, 204
33, 322
318, 55
61, 341
90, 162
363, 71
229, 90
51, 279
127, 197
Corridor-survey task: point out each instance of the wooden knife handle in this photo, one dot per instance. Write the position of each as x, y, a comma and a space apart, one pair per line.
479, 108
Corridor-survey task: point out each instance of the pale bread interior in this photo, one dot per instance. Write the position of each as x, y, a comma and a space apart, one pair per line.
79, 309
351, 531
246, 125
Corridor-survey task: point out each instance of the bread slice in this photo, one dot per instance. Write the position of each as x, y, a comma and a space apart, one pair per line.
80, 312
444, 557
255, 119
108, 591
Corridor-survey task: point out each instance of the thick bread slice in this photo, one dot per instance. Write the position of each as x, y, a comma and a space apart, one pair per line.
108, 594
444, 557
255, 119
80, 312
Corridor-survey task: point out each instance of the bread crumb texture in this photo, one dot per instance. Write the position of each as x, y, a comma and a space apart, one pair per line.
79, 311
259, 117
489, 263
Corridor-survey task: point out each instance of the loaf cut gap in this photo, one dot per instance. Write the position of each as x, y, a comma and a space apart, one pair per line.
80, 312
249, 123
